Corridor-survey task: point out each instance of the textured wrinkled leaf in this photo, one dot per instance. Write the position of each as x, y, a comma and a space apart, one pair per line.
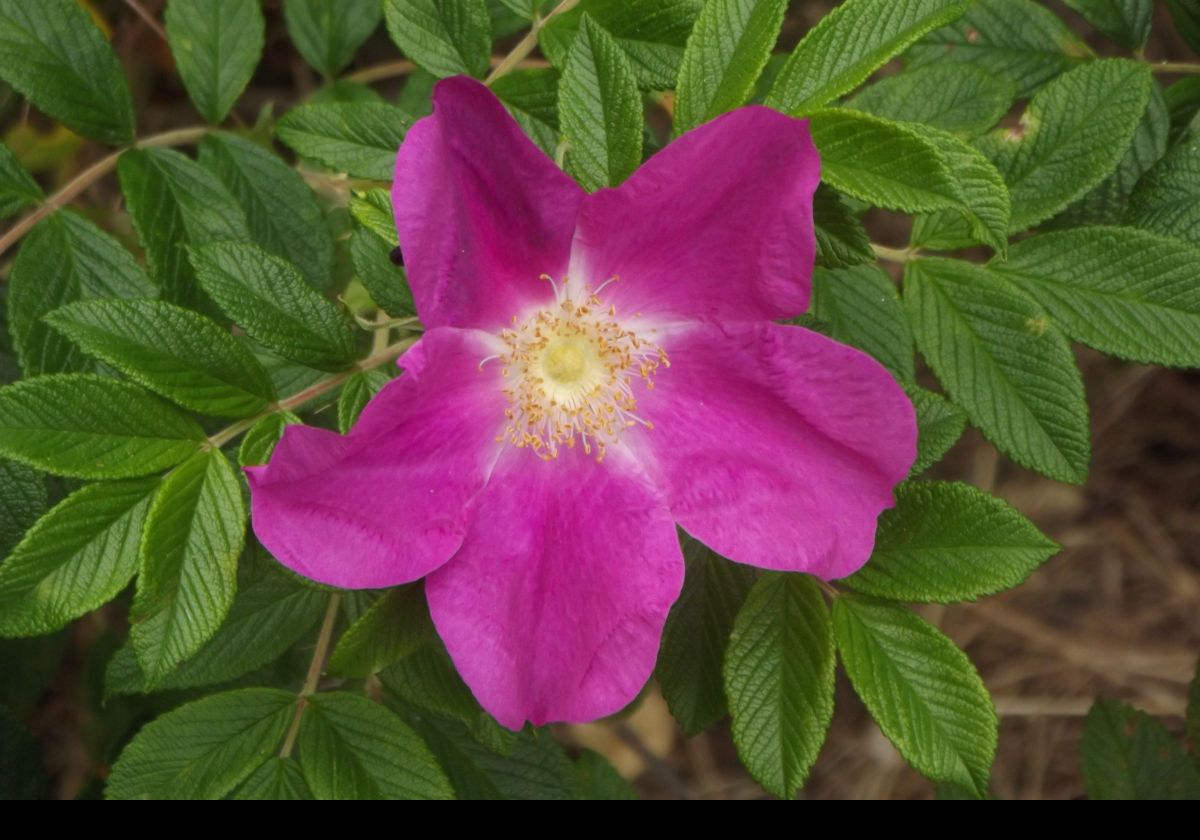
945, 542
22, 772
862, 308
599, 110
1125, 21
18, 190
1183, 105
217, 45
1018, 40
75, 558
193, 537
961, 99
849, 44
531, 96
920, 688
940, 424
23, 500
373, 210
779, 680
328, 33
269, 299
258, 444
841, 239
1004, 362
183, 356
64, 259
395, 626
175, 203
359, 138
428, 680
356, 393
385, 281
1129, 755
446, 37
204, 749
278, 779
351, 748
55, 55
281, 210
85, 426
696, 635
727, 50
1167, 199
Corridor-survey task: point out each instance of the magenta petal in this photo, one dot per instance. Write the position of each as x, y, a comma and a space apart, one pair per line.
777, 447
480, 210
389, 502
553, 609
716, 226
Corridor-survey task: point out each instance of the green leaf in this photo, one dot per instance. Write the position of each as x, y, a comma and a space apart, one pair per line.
277, 779
599, 110
183, 356
696, 636
842, 241
22, 771
531, 96
959, 98
862, 308
356, 393
269, 299
385, 281
75, 558
445, 37
174, 202
204, 749
946, 542
920, 688
64, 259
217, 45
350, 748
1125, 21
259, 443
85, 426
1183, 105
394, 627
1018, 40
1074, 133
328, 33
53, 53
849, 44
1004, 362
779, 679
1129, 755
598, 779
727, 50
373, 210
1167, 199
939, 426
1186, 15
1123, 291
281, 210
652, 34
427, 680
18, 190
194, 534
360, 138
23, 500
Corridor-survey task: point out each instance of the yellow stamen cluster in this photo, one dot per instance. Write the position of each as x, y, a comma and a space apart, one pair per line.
569, 369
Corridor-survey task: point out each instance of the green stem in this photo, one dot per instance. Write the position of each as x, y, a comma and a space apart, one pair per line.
526, 45
315, 667
1174, 67
896, 255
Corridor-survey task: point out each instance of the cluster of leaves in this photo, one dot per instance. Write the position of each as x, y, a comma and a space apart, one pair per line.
136, 401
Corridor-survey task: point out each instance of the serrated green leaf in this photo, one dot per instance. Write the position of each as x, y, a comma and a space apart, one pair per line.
427, 680
445, 37
960, 99
55, 55
394, 627
1004, 362
1121, 290
696, 635
1129, 755
85, 426
278, 779
175, 203
269, 299
281, 210
940, 424
945, 542
842, 241
360, 139
350, 748
204, 749
1018, 40
22, 771
531, 96
75, 558
373, 210
599, 110
920, 688
23, 500
652, 33
849, 44
779, 679
727, 50
385, 281
18, 190
216, 45
194, 534
259, 443
356, 393
863, 309
1183, 105
173, 351
64, 259
1167, 199
328, 33
1125, 21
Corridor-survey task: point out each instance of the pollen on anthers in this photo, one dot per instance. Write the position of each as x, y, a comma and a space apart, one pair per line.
569, 371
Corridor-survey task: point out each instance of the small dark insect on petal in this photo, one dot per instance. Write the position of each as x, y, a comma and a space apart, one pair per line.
397, 256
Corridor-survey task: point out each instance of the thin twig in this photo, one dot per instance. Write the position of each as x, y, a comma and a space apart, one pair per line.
527, 44
148, 18
1174, 67
315, 667
896, 255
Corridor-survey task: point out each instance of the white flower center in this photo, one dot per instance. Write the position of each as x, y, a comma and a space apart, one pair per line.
569, 369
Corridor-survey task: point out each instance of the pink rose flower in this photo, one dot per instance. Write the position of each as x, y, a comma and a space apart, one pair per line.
597, 370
